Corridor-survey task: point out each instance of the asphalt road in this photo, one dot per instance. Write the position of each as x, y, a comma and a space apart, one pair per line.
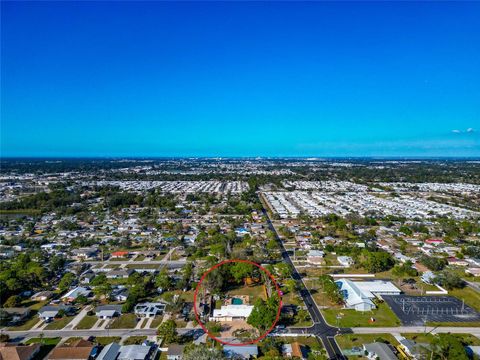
320, 328
172, 264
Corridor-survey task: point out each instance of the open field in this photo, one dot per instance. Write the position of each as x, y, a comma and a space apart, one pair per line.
383, 316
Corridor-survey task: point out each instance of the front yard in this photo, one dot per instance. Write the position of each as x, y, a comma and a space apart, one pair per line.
125, 321
27, 325
383, 316
87, 322
58, 324
348, 341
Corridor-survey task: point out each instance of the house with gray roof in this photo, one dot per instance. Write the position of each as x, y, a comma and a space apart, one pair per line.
379, 350
108, 311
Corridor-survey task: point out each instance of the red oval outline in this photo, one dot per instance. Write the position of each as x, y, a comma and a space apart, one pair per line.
195, 310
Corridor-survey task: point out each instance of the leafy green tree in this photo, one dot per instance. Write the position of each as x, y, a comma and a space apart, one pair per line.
290, 285
449, 280
446, 347
433, 263
66, 281
264, 313
163, 280
13, 301
103, 290
331, 289
168, 331
303, 315
100, 279
283, 269
378, 261
405, 269
241, 271
202, 352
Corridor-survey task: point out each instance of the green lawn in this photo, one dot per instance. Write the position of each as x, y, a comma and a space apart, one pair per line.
125, 321
454, 324
383, 316
44, 341
471, 297
139, 258
253, 291
58, 324
292, 298
466, 339
134, 340
105, 340
347, 341
27, 325
309, 341
87, 322
156, 322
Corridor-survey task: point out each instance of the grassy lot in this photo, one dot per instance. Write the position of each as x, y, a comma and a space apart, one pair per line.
125, 321
105, 340
180, 323
27, 325
331, 259
466, 339
134, 340
60, 323
471, 297
383, 316
348, 341
303, 323
184, 295
292, 298
254, 292
309, 341
139, 258
454, 324
87, 322
156, 322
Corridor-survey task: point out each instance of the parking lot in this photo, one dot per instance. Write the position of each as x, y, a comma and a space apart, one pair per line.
415, 310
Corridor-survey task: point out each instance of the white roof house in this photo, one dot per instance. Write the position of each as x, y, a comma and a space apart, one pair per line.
345, 260
358, 295
231, 312
149, 309
74, 293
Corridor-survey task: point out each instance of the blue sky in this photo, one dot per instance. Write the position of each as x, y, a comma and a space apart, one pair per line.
240, 79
